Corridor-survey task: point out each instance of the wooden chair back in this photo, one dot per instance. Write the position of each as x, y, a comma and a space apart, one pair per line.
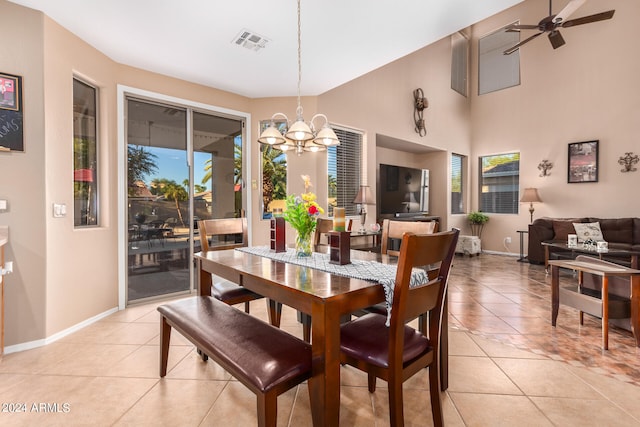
224, 233
323, 226
395, 229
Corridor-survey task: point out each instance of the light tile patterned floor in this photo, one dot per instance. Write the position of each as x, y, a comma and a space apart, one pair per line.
509, 367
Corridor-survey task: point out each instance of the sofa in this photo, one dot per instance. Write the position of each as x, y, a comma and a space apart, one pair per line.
620, 233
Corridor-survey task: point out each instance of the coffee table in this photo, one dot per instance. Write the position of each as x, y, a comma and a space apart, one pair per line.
632, 255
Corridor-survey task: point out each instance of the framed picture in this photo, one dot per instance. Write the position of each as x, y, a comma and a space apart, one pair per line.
583, 162
10, 92
11, 125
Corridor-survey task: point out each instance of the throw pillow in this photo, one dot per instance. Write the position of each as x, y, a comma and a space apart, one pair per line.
561, 229
589, 230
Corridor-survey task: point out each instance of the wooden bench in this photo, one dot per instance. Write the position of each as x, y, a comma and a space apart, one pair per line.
262, 357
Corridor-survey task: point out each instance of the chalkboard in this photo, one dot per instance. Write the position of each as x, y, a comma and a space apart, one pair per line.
11, 130
11, 123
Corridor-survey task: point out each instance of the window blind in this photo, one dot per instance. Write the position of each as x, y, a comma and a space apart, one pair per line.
457, 184
344, 170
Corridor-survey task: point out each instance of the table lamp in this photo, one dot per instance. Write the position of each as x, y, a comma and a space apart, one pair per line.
409, 198
531, 196
363, 197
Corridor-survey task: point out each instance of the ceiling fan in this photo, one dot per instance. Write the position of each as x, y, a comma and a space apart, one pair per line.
552, 23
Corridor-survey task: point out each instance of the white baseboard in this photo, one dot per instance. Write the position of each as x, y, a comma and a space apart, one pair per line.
55, 337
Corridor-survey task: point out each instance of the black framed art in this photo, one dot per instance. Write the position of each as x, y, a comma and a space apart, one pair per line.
11, 123
583, 162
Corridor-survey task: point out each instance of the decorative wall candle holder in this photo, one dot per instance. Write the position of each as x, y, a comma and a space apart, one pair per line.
545, 166
628, 161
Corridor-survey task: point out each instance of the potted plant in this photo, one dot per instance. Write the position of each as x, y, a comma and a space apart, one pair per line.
477, 221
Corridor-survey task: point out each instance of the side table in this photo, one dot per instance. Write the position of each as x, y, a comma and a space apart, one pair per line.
522, 258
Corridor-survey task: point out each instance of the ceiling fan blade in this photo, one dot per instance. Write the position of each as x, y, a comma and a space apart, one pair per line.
568, 10
588, 19
518, 27
517, 46
556, 39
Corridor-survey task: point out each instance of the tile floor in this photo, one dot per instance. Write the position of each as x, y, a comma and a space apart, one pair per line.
508, 367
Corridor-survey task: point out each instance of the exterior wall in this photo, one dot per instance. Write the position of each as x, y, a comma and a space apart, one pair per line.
585, 90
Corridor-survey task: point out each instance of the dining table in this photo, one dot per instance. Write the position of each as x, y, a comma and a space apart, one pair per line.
324, 295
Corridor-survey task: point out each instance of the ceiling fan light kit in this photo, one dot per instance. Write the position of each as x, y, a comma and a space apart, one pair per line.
552, 24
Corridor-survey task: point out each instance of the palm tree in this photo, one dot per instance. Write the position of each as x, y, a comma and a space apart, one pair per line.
171, 190
140, 163
274, 175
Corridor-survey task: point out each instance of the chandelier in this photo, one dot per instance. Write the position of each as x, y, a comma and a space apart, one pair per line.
299, 136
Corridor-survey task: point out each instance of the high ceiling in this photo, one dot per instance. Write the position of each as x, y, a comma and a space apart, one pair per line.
194, 40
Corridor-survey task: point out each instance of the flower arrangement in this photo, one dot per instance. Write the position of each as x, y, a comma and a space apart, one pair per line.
302, 212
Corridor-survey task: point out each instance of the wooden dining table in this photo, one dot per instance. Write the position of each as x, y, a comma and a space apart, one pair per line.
325, 296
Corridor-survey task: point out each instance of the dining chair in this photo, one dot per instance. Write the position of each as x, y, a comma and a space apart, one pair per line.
395, 229
397, 352
323, 226
229, 233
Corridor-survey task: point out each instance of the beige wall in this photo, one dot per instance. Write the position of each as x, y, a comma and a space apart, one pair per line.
585, 90
22, 181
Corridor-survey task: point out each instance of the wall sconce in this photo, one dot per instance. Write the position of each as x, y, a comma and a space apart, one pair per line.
545, 166
419, 104
628, 161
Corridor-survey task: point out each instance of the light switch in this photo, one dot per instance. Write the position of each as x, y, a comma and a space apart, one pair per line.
59, 210
3, 205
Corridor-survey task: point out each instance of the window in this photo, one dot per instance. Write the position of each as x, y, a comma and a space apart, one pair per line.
457, 184
459, 63
274, 173
499, 182
85, 156
496, 70
344, 170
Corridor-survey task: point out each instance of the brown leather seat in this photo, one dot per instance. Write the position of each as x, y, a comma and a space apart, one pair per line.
397, 352
264, 358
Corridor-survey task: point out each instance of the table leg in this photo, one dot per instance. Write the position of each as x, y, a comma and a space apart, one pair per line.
546, 259
635, 307
274, 310
204, 280
324, 385
605, 312
555, 293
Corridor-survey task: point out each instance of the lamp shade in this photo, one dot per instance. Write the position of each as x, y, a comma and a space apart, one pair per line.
364, 196
271, 136
530, 195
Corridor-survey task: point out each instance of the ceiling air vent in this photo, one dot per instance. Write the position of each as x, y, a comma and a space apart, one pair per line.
250, 40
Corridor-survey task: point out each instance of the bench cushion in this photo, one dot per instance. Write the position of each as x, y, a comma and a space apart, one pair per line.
256, 353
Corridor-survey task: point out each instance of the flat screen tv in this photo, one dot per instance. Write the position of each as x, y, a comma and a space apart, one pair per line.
403, 190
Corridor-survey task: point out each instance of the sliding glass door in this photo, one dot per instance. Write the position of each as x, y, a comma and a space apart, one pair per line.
182, 166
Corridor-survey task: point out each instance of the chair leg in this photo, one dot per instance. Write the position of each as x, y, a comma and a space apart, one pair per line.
203, 355
274, 310
305, 319
267, 410
396, 414
371, 382
165, 337
246, 307
423, 324
434, 391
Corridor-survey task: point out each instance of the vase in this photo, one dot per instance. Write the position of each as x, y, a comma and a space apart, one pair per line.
303, 245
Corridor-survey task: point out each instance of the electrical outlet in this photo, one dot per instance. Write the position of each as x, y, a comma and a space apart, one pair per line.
507, 240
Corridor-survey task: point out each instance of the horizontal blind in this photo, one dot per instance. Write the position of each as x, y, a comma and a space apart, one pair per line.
344, 170
457, 184
499, 183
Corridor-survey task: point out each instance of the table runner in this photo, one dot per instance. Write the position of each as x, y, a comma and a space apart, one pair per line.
372, 271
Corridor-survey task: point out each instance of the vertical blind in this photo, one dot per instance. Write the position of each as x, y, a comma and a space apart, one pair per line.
344, 170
